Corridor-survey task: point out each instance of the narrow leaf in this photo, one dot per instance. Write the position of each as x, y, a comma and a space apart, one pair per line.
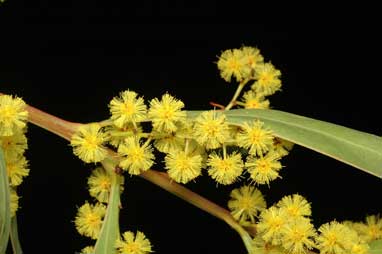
5, 219
375, 247
16, 246
110, 228
356, 148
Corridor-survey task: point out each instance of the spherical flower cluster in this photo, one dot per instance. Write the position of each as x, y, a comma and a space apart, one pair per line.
255, 137
284, 225
295, 206
234, 63
267, 79
13, 115
211, 129
14, 145
336, 238
370, 230
89, 219
17, 169
137, 157
133, 244
127, 109
297, 236
225, 170
245, 203
88, 142
264, 169
252, 100
99, 184
182, 166
166, 113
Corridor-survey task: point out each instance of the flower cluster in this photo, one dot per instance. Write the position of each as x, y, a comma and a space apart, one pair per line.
212, 142
89, 218
13, 141
286, 226
192, 143
246, 64
227, 151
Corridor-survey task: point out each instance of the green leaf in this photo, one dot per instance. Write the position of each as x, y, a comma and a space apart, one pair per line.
5, 219
375, 247
16, 246
110, 228
356, 148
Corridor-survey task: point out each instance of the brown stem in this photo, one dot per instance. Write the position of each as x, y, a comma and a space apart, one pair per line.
52, 123
162, 180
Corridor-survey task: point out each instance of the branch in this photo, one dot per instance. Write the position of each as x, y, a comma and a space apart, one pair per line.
66, 129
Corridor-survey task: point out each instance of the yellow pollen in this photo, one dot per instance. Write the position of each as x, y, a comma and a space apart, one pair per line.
128, 109
132, 247
93, 219
233, 64
7, 112
91, 142
105, 184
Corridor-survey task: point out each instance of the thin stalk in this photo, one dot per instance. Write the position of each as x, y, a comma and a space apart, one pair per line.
236, 95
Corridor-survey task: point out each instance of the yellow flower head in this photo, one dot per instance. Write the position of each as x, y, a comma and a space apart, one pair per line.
88, 250
267, 79
297, 235
264, 169
336, 238
14, 145
272, 220
282, 146
87, 143
165, 114
17, 168
360, 248
211, 129
127, 108
183, 167
234, 63
100, 185
13, 115
255, 137
14, 204
295, 205
131, 244
254, 100
245, 203
372, 229
252, 56
225, 170
138, 158
89, 218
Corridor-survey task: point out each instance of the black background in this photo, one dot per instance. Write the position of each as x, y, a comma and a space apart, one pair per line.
70, 59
